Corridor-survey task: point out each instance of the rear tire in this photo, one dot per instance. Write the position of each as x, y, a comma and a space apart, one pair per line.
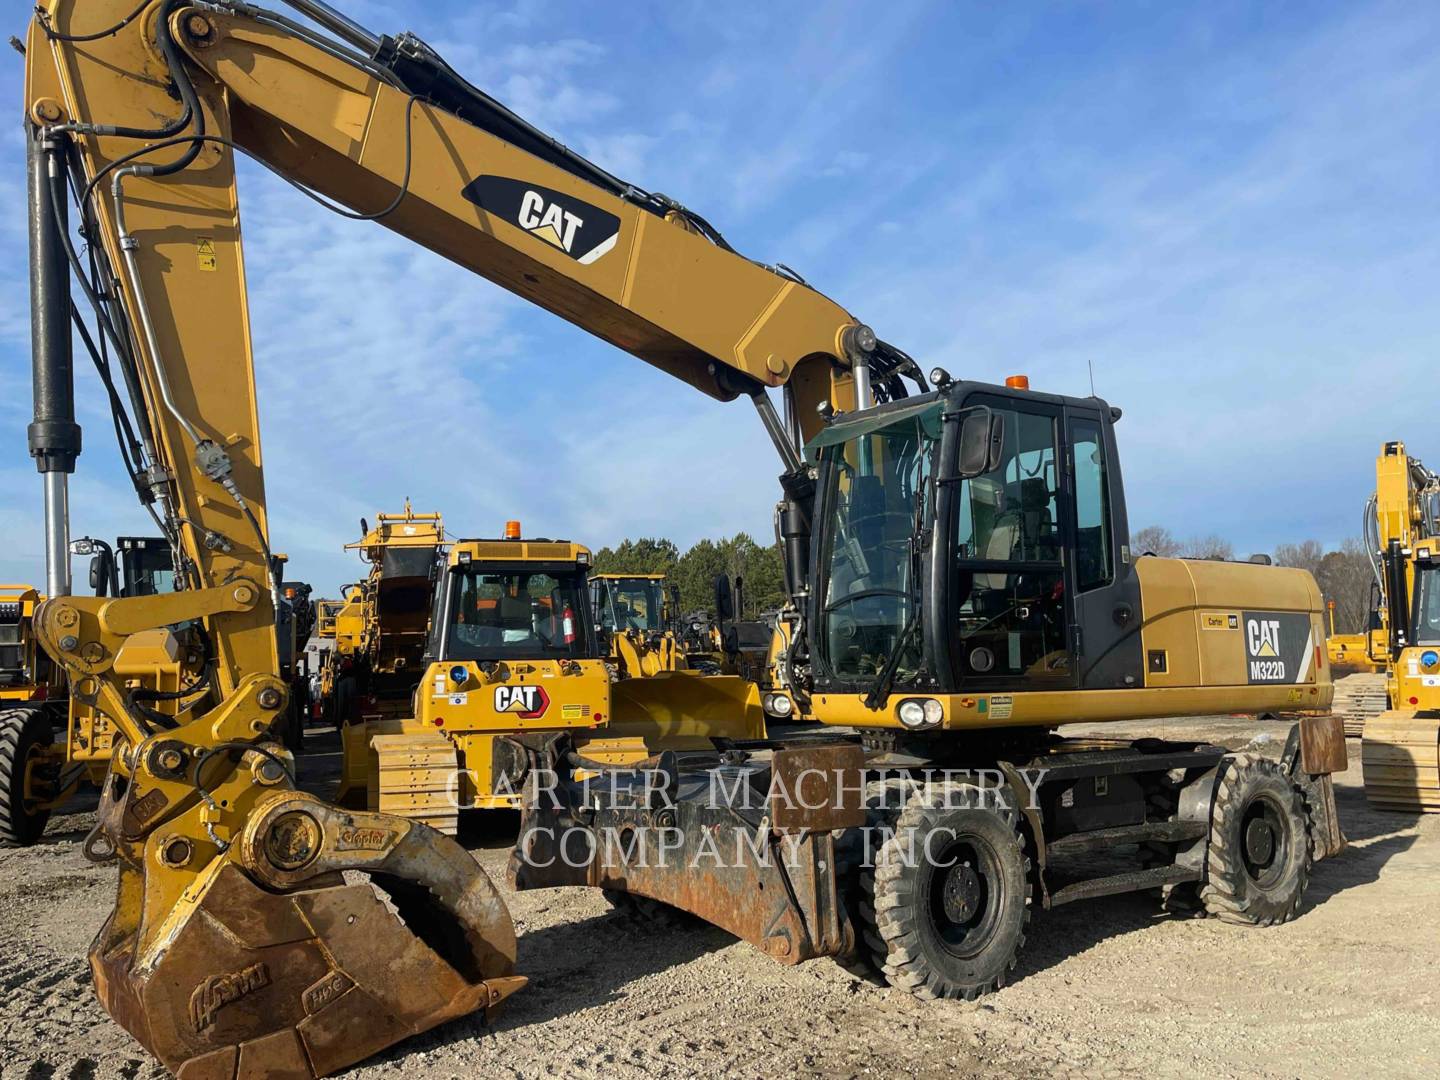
25, 732
1259, 857
950, 894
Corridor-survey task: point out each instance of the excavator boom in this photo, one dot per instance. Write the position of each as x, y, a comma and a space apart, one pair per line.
236, 945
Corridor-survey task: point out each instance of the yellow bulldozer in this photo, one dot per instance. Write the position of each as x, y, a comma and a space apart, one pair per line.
958, 578
512, 650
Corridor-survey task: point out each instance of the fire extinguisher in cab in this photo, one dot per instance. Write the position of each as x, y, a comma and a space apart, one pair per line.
567, 624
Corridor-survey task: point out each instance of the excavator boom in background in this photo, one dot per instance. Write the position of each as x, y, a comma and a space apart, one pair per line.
958, 574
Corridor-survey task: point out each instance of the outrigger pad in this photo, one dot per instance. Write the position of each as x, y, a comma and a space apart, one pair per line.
257, 983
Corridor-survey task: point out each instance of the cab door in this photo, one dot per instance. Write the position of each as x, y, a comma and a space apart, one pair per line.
1010, 594
1107, 614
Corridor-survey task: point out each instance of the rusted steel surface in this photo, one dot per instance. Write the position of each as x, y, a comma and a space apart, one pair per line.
257, 982
818, 788
1322, 744
710, 845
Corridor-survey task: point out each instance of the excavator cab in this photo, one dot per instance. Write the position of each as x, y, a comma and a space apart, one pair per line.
967, 540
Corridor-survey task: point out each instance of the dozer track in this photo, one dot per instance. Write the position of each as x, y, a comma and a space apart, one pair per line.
1401, 758
1358, 699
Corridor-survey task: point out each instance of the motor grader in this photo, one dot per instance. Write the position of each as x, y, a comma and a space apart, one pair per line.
958, 575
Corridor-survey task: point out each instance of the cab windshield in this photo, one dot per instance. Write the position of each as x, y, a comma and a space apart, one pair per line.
499, 613
629, 604
878, 484
1426, 630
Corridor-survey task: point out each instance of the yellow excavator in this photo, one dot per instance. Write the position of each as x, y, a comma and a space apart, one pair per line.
957, 567
1400, 751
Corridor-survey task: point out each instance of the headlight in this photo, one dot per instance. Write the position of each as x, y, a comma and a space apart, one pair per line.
917, 713
1430, 658
778, 705
459, 674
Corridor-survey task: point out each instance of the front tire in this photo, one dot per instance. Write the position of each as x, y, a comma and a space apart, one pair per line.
1258, 863
951, 894
25, 733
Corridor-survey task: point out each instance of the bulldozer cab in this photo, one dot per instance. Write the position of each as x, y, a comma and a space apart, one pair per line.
973, 538
496, 609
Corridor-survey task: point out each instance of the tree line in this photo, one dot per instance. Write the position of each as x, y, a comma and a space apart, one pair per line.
695, 570
1343, 574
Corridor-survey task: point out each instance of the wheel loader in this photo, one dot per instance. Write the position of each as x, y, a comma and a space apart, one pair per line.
959, 583
32, 705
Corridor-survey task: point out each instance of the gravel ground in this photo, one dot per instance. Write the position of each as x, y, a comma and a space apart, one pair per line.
1104, 988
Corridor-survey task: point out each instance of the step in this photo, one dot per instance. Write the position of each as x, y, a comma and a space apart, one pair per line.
1166, 832
1131, 881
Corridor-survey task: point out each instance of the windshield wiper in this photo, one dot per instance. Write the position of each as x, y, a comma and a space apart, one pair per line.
880, 693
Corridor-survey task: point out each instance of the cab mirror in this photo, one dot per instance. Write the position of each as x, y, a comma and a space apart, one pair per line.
982, 440
101, 572
724, 598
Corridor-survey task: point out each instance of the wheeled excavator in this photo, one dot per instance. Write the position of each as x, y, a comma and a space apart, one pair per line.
958, 574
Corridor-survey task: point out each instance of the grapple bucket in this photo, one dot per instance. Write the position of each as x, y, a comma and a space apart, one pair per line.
272, 965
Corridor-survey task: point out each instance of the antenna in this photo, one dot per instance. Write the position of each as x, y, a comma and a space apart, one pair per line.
1091, 365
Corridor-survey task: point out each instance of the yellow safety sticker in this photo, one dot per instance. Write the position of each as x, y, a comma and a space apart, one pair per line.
574, 712
205, 254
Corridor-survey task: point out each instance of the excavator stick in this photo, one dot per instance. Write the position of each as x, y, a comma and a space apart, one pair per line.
275, 966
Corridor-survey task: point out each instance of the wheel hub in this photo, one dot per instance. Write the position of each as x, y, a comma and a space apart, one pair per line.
1259, 841
962, 893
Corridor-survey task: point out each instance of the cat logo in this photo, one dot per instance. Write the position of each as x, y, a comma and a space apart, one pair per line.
1263, 637
526, 701
553, 223
582, 231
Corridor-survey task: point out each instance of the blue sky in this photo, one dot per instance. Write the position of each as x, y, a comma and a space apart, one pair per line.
1229, 210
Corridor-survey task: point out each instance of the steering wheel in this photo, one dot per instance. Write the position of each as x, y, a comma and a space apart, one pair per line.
863, 594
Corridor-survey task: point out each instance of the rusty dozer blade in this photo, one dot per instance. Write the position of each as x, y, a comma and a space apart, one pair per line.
271, 965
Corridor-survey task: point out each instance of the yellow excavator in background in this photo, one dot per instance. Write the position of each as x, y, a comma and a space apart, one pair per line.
958, 575
1400, 751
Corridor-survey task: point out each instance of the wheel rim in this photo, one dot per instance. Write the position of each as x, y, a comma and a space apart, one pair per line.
1264, 841
965, 889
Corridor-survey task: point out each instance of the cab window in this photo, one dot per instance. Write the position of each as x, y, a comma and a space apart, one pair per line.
1093, 545
517, 614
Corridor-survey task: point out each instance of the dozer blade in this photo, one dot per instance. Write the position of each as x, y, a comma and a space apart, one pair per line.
271, 965
1401, 758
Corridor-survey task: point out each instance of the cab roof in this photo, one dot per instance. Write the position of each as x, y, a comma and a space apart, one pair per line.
518, 551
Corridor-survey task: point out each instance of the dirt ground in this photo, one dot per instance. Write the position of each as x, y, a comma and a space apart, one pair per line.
1104, 988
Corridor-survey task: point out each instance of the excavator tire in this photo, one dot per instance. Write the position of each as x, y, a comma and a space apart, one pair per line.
1401, 761
947, 918
24, 731
1259, 856
855, 854
1359, 699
